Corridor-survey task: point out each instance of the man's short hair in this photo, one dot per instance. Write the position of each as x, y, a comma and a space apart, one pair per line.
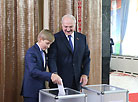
70, 16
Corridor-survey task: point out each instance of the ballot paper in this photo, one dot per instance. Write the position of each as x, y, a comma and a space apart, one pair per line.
61, 89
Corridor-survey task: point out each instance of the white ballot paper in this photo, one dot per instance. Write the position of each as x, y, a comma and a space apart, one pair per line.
61, 89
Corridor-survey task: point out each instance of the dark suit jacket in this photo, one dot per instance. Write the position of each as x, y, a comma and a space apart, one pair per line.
69, 65
35, 74
111, 45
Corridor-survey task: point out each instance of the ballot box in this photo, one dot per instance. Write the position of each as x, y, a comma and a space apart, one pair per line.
51, 95
105, 93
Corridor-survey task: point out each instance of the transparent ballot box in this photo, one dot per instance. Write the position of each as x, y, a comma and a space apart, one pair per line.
51, 95
105, 93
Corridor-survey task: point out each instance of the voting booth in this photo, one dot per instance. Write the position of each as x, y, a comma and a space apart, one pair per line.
52, 95
105, 93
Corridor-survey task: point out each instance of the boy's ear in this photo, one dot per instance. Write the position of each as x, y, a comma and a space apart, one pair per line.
41, 39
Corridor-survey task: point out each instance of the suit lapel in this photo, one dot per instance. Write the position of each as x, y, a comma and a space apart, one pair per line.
66, 42
76, 42
38, 50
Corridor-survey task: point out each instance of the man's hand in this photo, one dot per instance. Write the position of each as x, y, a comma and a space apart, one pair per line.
84, 80
56, 79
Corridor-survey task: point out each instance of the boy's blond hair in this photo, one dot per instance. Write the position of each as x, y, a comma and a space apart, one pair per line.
46, 35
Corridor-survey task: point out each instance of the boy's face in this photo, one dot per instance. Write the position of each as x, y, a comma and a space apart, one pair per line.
45, 44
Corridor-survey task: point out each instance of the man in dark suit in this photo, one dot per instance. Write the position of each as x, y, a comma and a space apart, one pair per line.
69, 55
111, 46
35, 73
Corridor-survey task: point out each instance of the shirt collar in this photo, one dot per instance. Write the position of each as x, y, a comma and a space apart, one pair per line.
72, 35
39, 46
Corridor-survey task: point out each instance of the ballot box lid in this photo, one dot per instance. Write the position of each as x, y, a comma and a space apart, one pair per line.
104, 88
69, 93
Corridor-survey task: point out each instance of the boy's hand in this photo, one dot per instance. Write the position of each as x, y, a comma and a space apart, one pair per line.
56, 79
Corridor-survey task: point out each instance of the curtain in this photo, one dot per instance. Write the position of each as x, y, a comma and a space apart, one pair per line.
18, 30
129, 40
89, 22
124, 19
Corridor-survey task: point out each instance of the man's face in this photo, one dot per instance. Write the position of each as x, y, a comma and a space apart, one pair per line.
68, 26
